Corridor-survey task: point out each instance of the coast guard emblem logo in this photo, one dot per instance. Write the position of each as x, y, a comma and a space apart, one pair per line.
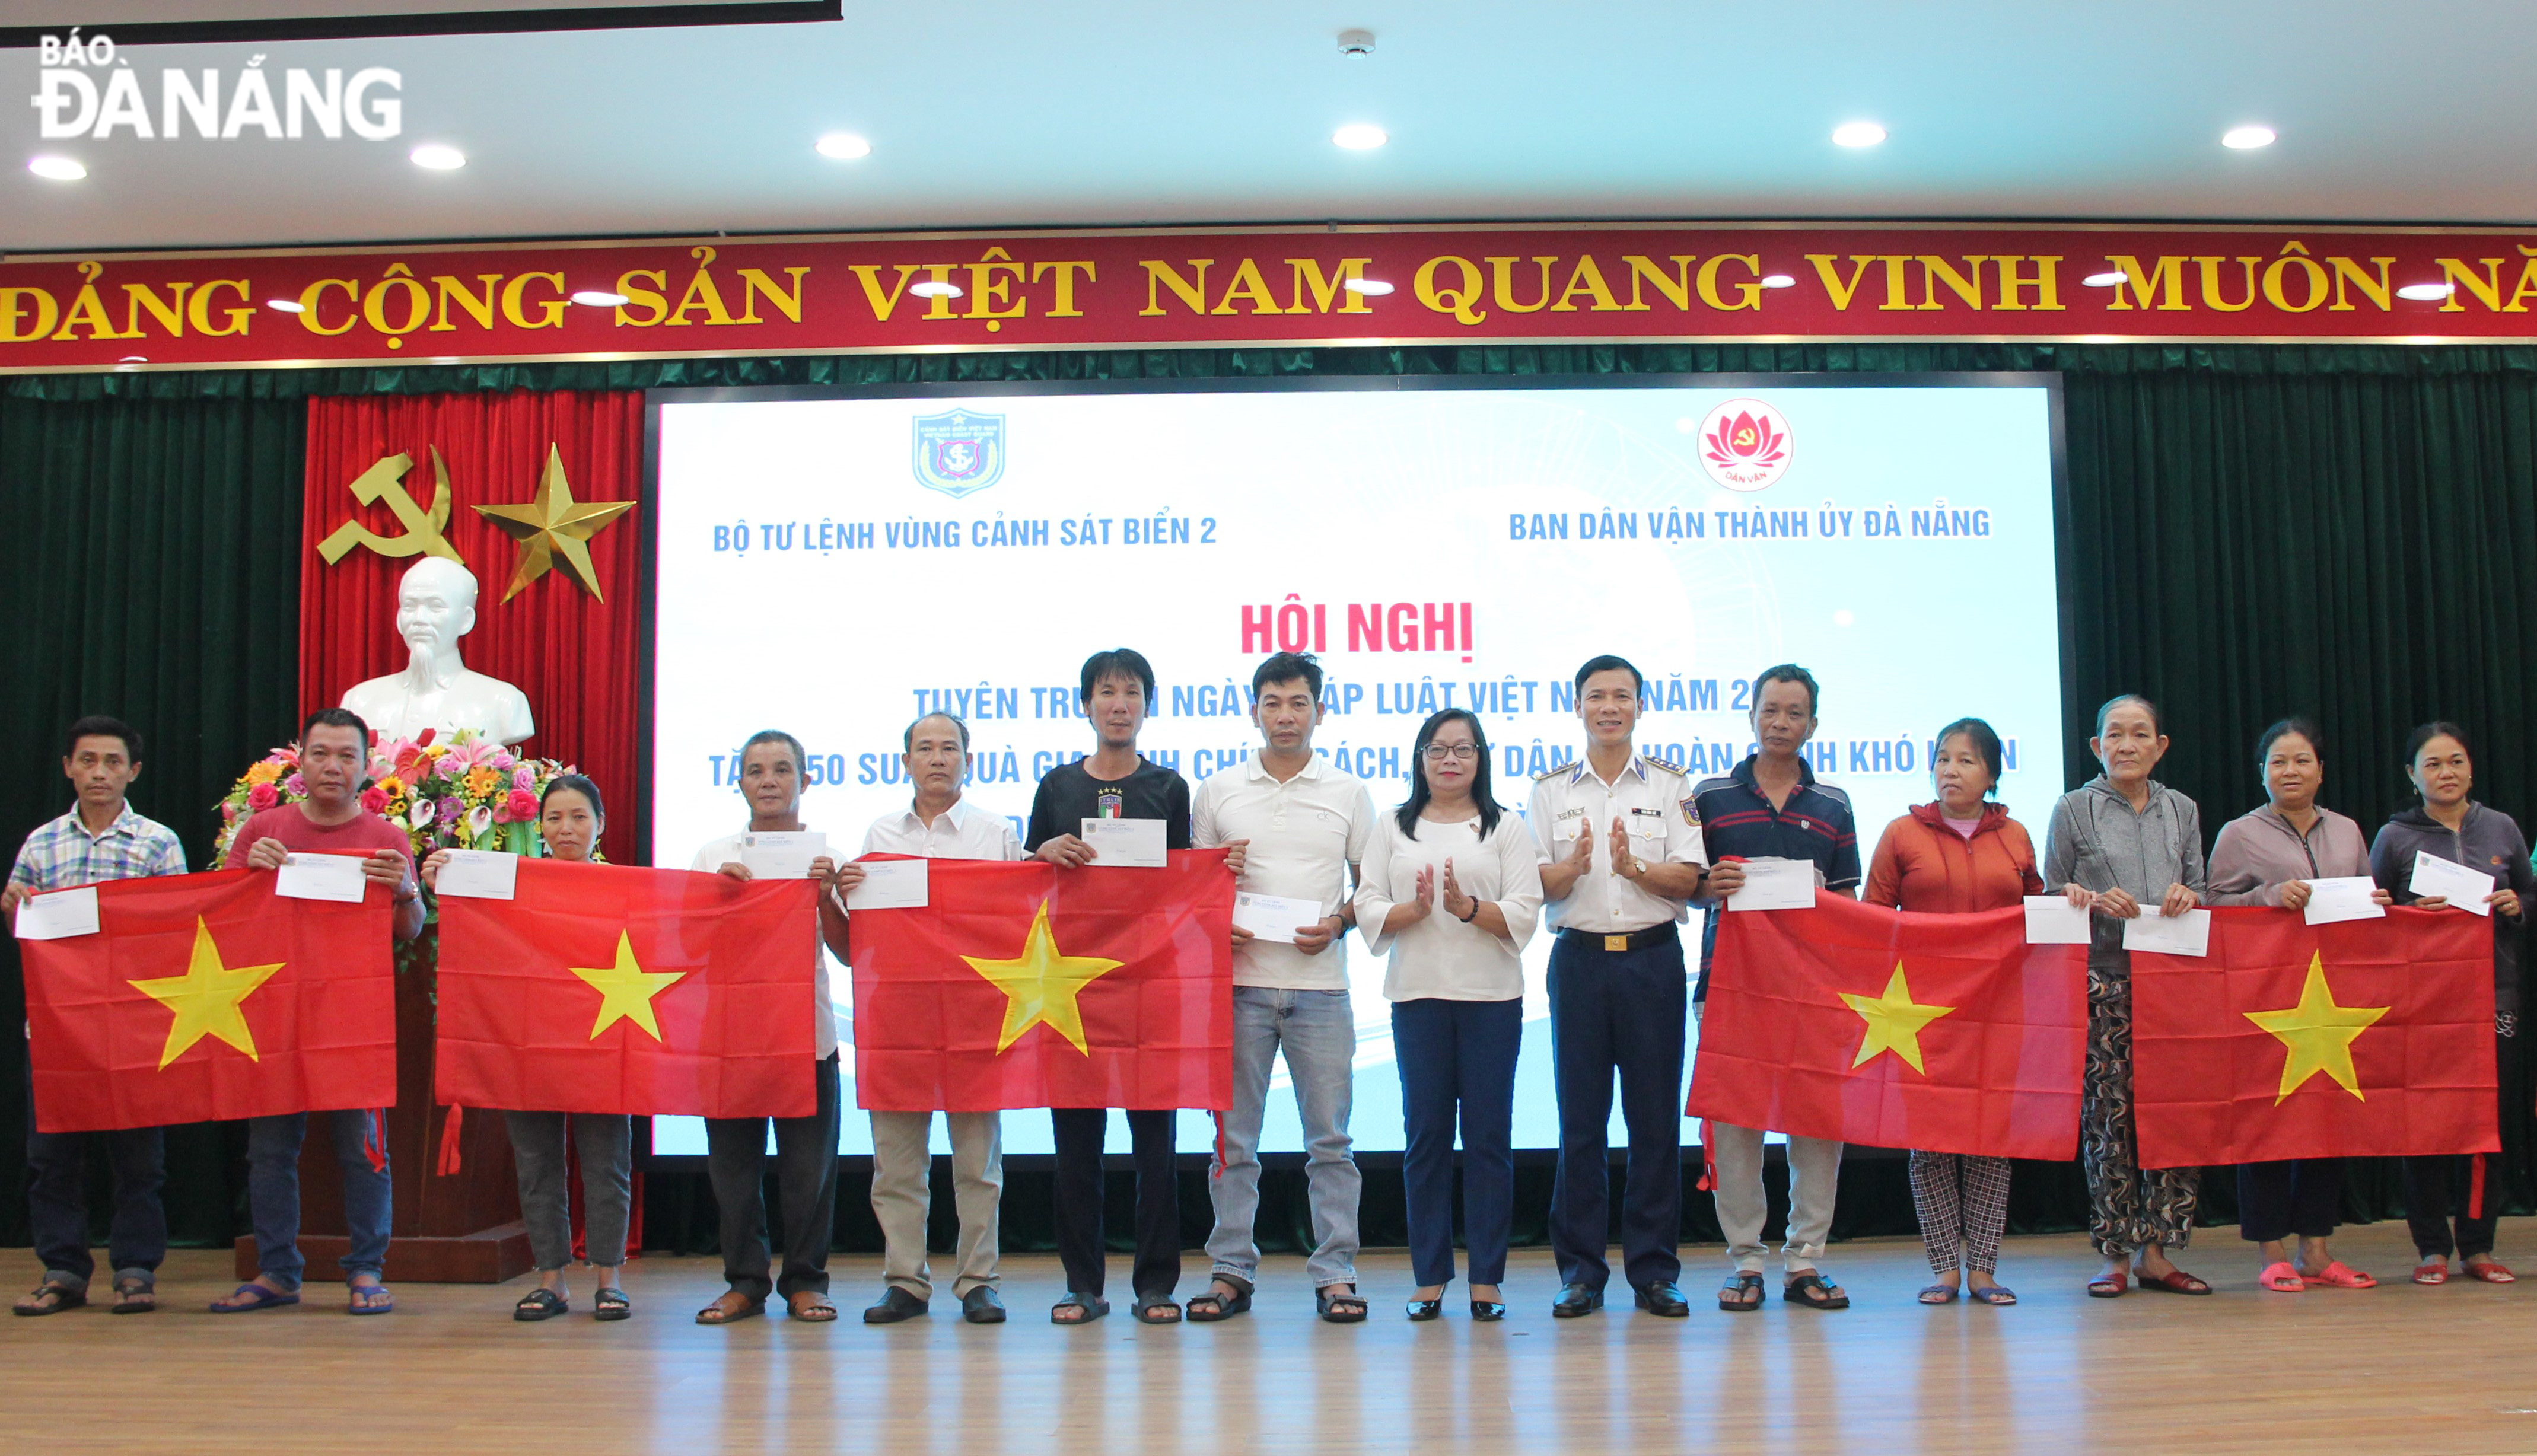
960, 453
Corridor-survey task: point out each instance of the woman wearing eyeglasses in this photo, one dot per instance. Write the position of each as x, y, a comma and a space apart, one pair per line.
1450, 889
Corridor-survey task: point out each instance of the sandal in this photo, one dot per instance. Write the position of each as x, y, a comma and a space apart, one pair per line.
1349, 1308
50, 1298
2435, 1271
1813, 1290
368, 1298
1998, 1295
1093, 1306
540, 1304
258, 1297
610, 1303
2172, 1282
1741, 1295
1212, 1307
134, 1293
2342, 1276
724, 1311
2490, 1271
2280, 1279
2108, 1285
1939, 1294
810, 1308
1157, 1310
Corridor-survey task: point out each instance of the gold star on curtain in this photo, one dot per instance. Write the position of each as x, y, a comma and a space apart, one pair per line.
205, 999
626, 989
2318, 1034
1894, 1022
554, 530
1041, 986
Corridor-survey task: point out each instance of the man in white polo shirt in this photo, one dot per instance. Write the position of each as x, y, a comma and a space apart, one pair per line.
1306, 823
938, 825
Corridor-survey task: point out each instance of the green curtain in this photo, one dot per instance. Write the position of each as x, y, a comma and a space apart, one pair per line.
2342, 531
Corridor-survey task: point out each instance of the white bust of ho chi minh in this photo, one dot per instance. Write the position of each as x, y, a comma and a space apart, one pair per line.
435, 607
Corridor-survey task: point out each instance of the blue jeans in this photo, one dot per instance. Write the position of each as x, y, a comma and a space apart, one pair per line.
272, 1192
57, 1199
1318, 1032
1617, 1010
1457, 1057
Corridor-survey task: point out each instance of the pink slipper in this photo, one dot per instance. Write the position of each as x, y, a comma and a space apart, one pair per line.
2342, 1276
2280, 1279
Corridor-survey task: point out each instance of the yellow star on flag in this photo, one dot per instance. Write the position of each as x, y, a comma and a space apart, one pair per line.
2318, 1034
1894, 1022
626, 989
206, 999
554, 524
1041, 986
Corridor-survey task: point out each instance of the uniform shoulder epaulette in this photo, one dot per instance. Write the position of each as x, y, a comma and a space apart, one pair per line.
1654, 762
1546, 775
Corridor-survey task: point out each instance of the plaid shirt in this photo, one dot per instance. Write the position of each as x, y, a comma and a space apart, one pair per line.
62, 854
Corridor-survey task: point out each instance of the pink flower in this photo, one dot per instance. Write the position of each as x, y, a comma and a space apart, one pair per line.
525, 779
295, 785
262, 797
523, 806
452, 809
500, 758
373, 799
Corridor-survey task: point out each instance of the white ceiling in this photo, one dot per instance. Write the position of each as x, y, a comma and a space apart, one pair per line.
998, 112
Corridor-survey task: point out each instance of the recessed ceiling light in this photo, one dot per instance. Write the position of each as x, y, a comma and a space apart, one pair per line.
1370, 285
433, 157
2102, 280
2246, 138
842, 146
2425, 292
1778, 280
600, 298
935, 288
1857, 134
1361, 136
286, 306
59, 169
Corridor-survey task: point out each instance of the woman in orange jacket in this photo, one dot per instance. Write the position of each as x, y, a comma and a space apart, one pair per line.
1958, 855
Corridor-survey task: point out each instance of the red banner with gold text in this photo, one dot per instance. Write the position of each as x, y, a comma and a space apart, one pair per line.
443, 303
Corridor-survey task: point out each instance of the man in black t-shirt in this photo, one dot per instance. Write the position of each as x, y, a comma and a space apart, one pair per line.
1115, 783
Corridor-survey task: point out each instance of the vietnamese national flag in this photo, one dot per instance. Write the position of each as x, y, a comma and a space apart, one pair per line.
206, 998
2363, 1039
1942, 1031
605, 988
1025, 985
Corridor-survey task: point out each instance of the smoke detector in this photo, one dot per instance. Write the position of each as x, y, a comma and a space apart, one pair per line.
1357, 46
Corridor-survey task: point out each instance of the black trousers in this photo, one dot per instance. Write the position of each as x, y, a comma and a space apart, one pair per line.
1080, 1133
2435, 1185
805, 1194
2276, 1200
1617, 1010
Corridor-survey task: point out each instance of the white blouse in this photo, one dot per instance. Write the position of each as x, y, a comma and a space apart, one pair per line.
1441, 958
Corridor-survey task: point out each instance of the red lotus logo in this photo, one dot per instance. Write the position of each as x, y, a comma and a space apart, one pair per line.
1744, 445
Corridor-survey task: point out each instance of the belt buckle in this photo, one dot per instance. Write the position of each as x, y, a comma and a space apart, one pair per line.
1616, 942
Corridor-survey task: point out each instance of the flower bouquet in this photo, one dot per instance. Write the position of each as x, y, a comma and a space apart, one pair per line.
468, 792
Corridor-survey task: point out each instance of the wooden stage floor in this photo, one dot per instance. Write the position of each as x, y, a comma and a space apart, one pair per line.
2398, 1368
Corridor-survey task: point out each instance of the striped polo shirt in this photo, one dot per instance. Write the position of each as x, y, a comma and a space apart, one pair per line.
1736, 819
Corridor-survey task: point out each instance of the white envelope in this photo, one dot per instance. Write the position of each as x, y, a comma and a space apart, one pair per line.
782, 857
892, 884
1776, 884
2187, 934
336, 877
1275, 916
1131, 844
479, 874
2051, 920
2464, 887
59, 914
2339, 898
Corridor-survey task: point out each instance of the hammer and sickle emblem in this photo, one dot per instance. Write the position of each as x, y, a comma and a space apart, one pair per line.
424, 530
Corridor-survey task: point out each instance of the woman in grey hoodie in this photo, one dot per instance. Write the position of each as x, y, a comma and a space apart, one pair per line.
2118, 845
2448, 825
2268, 857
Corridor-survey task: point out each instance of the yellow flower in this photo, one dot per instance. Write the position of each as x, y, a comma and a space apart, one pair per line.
267, 771
481, 781
392, 785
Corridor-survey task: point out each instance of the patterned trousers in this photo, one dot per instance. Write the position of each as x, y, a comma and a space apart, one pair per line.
2128, 1208
1964, 1204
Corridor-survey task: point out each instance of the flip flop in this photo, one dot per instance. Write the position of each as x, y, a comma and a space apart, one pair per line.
2490, 1271
1815, 1292
261, 1298
361, 1293
1741, 1295
61, 1295
2280, 1278
2342, 1276
134, 1295
2436, 1272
